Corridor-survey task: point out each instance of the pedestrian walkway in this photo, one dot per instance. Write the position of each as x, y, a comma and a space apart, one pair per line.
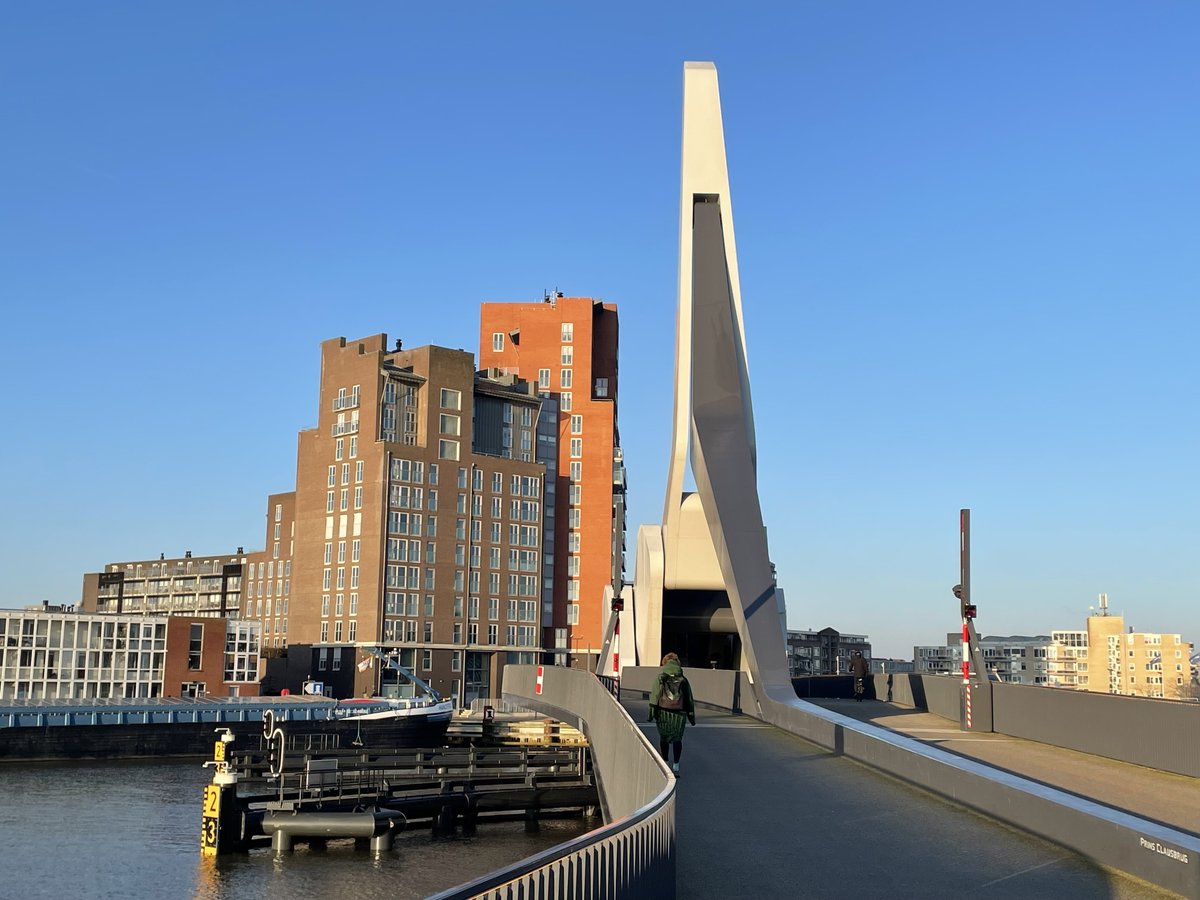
761, 813
1160, 796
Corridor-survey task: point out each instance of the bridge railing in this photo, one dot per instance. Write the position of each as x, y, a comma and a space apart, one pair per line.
633, 855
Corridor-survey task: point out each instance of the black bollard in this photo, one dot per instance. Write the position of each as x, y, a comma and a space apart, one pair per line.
444, 827
469, 821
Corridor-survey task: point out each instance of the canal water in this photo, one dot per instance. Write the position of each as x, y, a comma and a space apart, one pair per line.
132, 830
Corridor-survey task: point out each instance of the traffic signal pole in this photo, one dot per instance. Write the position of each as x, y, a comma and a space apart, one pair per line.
975, 697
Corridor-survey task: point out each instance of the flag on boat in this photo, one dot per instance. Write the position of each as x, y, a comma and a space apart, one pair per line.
365, 664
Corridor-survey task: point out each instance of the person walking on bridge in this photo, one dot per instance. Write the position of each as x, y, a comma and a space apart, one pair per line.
671, 708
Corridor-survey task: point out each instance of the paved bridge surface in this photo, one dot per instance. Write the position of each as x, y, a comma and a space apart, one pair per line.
762, 813
1160, 796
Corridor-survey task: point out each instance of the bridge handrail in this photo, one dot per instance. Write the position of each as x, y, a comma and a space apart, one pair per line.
632, 855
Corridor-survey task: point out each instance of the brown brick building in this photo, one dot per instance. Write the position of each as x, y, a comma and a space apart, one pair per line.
567, 346
417, 516
207, 656
268, 579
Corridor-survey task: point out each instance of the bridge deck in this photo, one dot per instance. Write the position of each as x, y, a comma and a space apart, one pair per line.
1161, 796
761, 813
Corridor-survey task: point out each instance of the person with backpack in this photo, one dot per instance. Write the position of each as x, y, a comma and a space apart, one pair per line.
671, 707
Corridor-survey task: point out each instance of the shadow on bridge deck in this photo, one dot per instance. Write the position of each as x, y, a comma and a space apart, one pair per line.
761, 813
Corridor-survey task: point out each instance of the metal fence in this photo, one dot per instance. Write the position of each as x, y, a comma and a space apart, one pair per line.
633, 855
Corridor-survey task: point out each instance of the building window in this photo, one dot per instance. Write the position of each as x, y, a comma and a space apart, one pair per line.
332, 475
567, 357
576, 424
564, 401
572, 613
568, 332
449, 424
195, 645
498, 341
576, 448
544, 378
601, 387
451, 399
448, 449
564, 378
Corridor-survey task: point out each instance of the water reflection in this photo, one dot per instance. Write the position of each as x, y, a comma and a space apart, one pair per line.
126, 830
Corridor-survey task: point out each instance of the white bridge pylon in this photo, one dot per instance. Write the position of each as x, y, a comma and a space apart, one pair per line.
706, 569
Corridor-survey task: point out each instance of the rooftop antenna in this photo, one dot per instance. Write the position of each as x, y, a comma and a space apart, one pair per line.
1104, 604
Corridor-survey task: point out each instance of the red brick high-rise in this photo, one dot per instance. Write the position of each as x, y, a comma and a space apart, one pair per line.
567, 346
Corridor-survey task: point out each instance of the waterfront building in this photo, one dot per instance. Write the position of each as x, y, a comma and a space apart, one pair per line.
1104, 658
1107, 658
1014, 659
60, 654
567, 347
1067, 660
417, 519
209, 585
938, 659
268, 580
824, 652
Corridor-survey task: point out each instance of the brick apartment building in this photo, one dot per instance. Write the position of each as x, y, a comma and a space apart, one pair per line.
567, 347
418, 519
465, 518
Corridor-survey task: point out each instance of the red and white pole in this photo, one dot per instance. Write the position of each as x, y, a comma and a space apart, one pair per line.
966, 654
966, 672
616, 650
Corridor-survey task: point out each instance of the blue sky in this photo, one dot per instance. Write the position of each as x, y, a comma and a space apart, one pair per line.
967, 236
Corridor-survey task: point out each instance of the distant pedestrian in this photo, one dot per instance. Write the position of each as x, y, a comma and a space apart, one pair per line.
671, 707
860, 669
